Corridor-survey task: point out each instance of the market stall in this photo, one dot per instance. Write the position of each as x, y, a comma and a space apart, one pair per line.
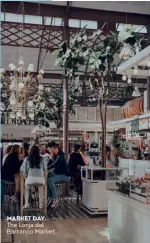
96, 180
129, 205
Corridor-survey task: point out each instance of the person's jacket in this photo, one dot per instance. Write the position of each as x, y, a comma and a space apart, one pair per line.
74, 162
11, 167
58, 164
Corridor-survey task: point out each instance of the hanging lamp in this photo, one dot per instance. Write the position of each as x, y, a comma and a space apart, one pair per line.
136, 92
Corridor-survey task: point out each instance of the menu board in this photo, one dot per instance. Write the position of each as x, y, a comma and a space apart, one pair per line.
144, 123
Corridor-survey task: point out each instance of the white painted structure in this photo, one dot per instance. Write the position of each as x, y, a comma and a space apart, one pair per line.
128, 220
94, 198
140, 59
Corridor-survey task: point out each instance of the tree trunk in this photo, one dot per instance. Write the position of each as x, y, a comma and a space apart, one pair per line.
103, 113
104, 131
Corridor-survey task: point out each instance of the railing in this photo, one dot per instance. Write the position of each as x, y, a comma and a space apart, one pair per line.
82, 114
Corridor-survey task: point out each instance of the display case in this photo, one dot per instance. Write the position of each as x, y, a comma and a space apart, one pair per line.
96, 180
138, 189
136, 168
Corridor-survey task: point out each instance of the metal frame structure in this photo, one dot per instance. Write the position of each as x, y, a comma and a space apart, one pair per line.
49, 37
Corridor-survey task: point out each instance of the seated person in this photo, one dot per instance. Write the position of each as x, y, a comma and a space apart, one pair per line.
57, 172
9, 169
75, 161
8, 150
33, 169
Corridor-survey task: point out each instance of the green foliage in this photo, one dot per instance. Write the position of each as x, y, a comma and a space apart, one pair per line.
49, 107
99, 58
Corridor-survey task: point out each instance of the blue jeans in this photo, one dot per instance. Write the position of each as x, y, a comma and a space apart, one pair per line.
51, 181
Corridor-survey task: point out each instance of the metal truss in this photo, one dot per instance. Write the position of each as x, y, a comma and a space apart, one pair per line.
35, 36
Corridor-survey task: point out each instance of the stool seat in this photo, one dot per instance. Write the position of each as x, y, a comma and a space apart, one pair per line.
35, 185
9, 182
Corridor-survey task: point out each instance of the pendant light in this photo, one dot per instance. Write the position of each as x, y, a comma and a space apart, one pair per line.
129, 81
124, 78
136, 92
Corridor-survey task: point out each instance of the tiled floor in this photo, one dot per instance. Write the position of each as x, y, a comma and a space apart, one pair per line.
65, 231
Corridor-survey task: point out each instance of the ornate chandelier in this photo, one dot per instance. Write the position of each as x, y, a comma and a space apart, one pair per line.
23, 86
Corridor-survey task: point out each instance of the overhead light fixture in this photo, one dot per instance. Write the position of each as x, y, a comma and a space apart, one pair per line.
129, 81
124, 78
136, 92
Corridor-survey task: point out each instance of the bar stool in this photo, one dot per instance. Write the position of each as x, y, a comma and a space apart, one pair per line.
36, 198
75, 188
60, 187
7, 207
9, 191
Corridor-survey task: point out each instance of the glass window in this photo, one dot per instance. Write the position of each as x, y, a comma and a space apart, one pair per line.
31, 19
13, 17
139, 28
53, 21
74, 23
47, 20
2, 17
57, 21
89, 24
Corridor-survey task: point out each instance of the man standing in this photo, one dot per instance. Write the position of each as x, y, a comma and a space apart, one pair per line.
57, 172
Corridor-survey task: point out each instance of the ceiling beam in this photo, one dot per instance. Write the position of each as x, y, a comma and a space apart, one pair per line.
31, 8
135, 60
59, 76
